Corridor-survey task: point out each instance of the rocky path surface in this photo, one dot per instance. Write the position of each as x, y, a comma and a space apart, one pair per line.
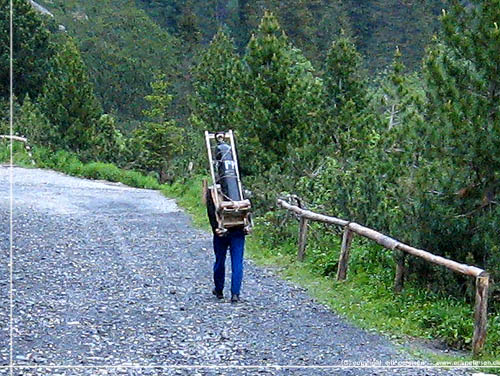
106, 275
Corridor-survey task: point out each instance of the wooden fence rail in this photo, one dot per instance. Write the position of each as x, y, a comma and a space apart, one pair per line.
351, 228
20, 139
15, 138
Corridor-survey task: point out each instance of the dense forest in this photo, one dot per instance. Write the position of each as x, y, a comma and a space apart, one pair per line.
384, 112
124, 43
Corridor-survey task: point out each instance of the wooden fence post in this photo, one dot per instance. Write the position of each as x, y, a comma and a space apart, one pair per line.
351, 228
480, 313
344, 253
400, 271
302, 238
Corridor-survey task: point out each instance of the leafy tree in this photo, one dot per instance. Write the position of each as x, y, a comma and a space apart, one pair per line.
32, 49
68, 100
283, 105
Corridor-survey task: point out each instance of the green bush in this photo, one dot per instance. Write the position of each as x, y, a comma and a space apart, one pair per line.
19, 154
136, 179
69, 163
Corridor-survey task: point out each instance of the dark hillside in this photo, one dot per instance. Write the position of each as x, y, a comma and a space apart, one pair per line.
122, 48
125, 42
379, 26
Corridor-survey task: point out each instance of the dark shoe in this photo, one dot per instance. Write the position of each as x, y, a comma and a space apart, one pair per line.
218, 294
235, 298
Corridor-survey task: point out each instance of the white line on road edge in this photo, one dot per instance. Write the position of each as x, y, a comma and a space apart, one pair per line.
11, 185
276, 367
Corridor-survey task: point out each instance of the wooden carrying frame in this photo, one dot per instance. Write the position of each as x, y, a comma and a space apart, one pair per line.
229, 213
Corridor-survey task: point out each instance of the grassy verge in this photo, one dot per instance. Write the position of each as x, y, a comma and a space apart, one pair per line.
366, 298
70, 164
189, 195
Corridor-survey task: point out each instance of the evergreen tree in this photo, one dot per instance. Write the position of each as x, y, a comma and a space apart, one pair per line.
403, 97
217, 87
345, 94
343, 75
33, 124
394, 92
122, 48
187, 25
159, 140
380, 25
283, 105
310, 25
32, 49
68, 100
463, 88
297, 19
107, 141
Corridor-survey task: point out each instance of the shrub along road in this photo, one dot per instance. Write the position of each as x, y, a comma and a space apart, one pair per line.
110, 275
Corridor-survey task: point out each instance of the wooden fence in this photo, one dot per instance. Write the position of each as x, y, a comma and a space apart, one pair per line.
20, 139
351, 228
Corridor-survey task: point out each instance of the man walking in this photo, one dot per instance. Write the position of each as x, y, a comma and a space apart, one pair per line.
234, 240
227, 235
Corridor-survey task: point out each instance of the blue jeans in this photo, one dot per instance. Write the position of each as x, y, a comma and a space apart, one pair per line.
235, 241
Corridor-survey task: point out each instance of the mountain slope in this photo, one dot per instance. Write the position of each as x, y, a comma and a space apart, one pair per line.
378, 25
122, 48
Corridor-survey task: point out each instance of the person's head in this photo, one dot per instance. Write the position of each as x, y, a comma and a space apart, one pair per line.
219, 136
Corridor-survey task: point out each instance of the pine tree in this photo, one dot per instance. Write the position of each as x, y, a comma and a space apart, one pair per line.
343, 75
107, 140
309, 24
464, 92
394, 91
187, 25
345, 95
33, 124
463, 87
217, 87
68, 100
32, 49
158, 141
380, 25
283, 105
403, 98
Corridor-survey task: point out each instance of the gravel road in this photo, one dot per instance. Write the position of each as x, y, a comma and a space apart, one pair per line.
110, 275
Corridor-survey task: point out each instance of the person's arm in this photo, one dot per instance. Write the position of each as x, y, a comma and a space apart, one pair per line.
211, 211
